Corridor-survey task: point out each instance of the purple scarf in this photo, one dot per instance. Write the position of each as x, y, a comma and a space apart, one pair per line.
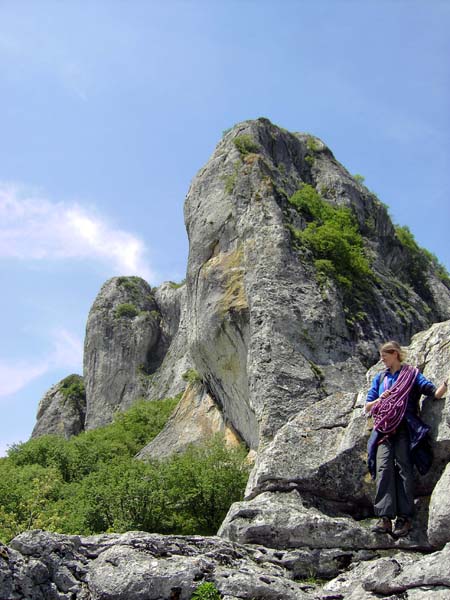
389, 412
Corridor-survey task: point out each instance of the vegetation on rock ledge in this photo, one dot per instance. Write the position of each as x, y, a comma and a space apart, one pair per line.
331, 234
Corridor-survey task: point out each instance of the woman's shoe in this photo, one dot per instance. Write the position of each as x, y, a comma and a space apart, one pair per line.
384, 525
403, 526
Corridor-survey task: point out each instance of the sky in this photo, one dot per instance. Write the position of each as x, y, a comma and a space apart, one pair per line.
109, 108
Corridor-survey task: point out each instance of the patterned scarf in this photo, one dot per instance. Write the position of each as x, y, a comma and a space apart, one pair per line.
389, 412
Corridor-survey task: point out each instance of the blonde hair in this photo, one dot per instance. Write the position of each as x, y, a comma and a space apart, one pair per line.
392, 347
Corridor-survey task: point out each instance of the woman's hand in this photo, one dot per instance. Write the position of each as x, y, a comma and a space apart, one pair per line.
442, 389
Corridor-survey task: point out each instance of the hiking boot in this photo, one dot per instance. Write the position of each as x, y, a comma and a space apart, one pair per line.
384, 525
403, 526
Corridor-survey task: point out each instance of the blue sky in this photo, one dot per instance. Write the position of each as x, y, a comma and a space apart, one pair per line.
109, 108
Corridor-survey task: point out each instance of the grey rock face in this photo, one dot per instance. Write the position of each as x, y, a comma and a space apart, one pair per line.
121, 332
268, 337
196, 419
170, 358
439, 511
62, 410
137, 566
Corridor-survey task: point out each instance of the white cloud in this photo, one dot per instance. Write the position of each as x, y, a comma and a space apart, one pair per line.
67, 353
14, 377
34, 228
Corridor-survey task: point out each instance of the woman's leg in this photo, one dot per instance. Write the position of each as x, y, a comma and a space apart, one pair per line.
404, 478
385, 504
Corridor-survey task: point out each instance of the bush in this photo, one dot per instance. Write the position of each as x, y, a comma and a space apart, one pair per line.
72, 388
418, 263
206, 591
332, 236
126, 310
92, 483
245, 144
192, 376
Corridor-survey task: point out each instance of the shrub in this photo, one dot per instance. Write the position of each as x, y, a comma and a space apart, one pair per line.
126, 310
332, 236
417, 262
359, 178
192, 376
245, 144
72, 388
92, 483
206, 591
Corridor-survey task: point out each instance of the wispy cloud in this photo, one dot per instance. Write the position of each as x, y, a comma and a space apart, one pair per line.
66, 353
35, 228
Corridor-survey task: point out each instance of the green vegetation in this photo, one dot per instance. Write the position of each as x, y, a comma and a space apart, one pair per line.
72, 388
126, 310
359, 178
332, 236
192, 376
419, 263
245, 144
176, 285
312, 144
230, 180
206, 591
92, 483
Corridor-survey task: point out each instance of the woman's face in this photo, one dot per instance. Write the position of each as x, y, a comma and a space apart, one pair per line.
389, 358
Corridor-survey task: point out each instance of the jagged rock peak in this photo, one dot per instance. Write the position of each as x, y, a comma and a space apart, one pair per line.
122, 331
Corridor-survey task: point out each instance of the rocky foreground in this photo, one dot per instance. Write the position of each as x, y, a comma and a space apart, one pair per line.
143, 566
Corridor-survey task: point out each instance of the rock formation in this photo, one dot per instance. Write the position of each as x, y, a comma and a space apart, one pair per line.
121, 332
310, 484
62, 411
281, 339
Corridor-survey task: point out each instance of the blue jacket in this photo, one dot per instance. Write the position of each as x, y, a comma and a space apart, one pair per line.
421, 454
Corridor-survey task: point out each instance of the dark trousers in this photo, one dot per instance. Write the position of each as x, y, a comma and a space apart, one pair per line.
395, 486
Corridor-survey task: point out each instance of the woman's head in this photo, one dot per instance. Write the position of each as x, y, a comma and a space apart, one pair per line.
392, 349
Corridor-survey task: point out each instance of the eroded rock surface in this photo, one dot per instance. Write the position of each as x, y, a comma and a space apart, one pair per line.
121, 333
138, 566
195, 420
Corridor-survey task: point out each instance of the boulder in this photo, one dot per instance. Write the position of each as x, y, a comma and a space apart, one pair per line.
400, 576
439, 511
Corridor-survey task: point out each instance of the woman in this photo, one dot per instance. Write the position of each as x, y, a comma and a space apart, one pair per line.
399, 438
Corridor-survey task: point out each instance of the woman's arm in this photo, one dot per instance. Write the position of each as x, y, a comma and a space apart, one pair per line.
373, 393
442, 389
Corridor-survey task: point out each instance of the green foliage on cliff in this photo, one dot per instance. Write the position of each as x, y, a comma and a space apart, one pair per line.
92, 483
419, 261
245, 144
72, 388
126, 310
332, 236
192, 376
